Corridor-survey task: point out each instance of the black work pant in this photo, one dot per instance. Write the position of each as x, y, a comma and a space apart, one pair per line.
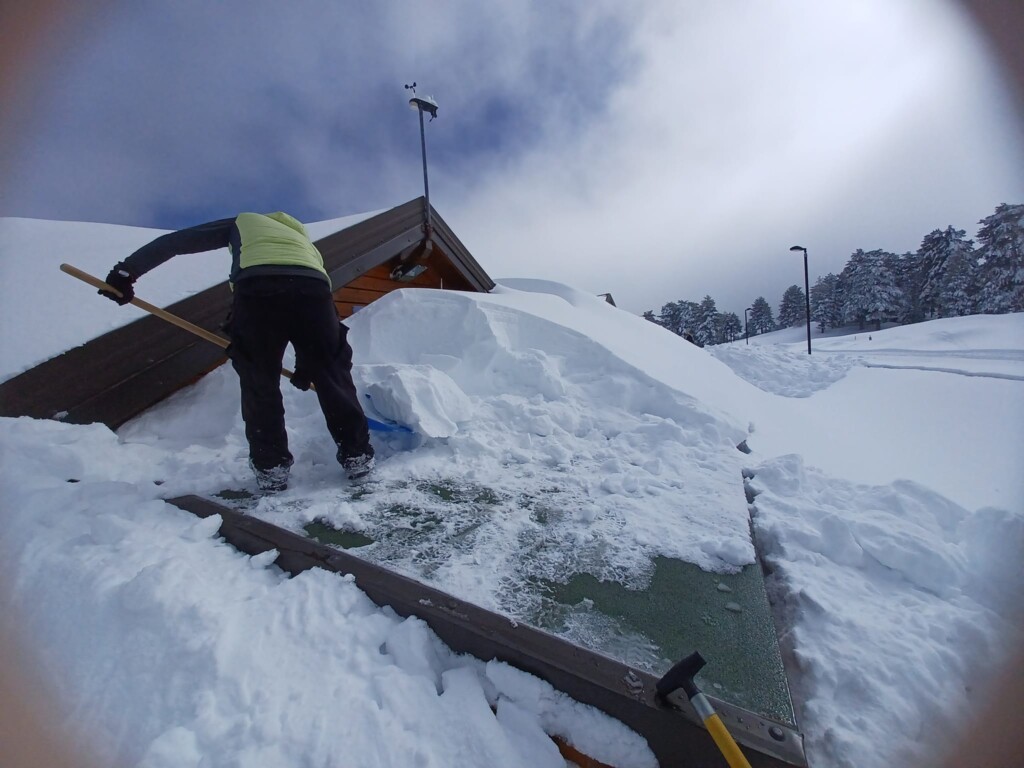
267, 313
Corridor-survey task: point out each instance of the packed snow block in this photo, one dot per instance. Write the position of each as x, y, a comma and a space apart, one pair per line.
618, 689
422, 397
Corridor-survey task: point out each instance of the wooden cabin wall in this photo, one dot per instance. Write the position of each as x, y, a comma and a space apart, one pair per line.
377, 282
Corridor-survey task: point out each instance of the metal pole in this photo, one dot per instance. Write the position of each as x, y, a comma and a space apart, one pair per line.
426, 184
807, 301
746, 326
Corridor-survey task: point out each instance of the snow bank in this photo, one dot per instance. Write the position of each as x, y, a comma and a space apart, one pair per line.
899, 602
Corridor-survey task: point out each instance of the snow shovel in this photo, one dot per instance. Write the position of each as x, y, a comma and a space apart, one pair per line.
213, 338
681, 676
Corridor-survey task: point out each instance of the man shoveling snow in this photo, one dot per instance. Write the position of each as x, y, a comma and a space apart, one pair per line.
282, 294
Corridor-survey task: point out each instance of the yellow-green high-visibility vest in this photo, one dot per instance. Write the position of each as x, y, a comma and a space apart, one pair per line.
275, 239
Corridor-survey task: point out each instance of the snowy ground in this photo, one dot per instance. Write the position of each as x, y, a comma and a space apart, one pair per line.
557, 435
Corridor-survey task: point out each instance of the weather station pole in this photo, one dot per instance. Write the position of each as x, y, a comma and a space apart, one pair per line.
412, 265
424, 104
807, 295
746, 325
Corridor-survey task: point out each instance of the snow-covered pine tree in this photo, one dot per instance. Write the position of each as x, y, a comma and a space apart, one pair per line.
792, 308
871, 291
729, 327
910, 279
1001, 253
690, 315
826, 302
856, 288
706, 329
894, 264
678, 316
958, 293
669, 316
937, 248
761, 320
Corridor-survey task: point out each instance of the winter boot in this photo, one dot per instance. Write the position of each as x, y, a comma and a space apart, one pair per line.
272, 479
358, 467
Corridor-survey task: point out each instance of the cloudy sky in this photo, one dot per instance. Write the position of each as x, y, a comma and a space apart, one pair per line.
658, 150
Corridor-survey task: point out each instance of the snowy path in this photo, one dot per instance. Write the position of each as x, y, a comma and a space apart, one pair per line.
986, 363
928, 388
927, 418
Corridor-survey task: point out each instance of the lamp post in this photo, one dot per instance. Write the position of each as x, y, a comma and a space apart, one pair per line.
746, 325
807, 295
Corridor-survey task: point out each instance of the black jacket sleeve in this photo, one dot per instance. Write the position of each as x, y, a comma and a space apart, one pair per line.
202, 237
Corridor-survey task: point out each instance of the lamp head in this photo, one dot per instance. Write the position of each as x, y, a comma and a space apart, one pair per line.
798, 248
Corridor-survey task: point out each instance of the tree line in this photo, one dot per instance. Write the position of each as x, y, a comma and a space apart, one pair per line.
948, 276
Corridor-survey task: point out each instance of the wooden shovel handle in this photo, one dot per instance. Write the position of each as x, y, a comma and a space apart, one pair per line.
163, 314
153, 310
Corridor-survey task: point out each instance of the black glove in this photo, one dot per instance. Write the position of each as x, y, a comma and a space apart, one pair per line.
300, 379
123, 280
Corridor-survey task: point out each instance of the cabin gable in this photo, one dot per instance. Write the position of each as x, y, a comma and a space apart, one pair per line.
360, 260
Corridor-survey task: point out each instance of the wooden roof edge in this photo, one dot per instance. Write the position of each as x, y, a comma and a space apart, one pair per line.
353, 250
375, 230
459, 253
345, 270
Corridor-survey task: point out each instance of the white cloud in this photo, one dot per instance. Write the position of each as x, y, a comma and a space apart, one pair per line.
840, 125
659, 151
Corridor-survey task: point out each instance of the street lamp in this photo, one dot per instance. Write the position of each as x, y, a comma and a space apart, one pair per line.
746, 325
807, 294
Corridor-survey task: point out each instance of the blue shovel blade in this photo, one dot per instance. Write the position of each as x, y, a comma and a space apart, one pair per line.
383, 426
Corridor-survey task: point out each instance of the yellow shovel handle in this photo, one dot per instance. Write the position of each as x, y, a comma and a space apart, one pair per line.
725, 742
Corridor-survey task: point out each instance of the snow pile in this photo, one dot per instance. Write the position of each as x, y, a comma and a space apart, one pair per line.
556, 435
901, 603
572, 411
179, 651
